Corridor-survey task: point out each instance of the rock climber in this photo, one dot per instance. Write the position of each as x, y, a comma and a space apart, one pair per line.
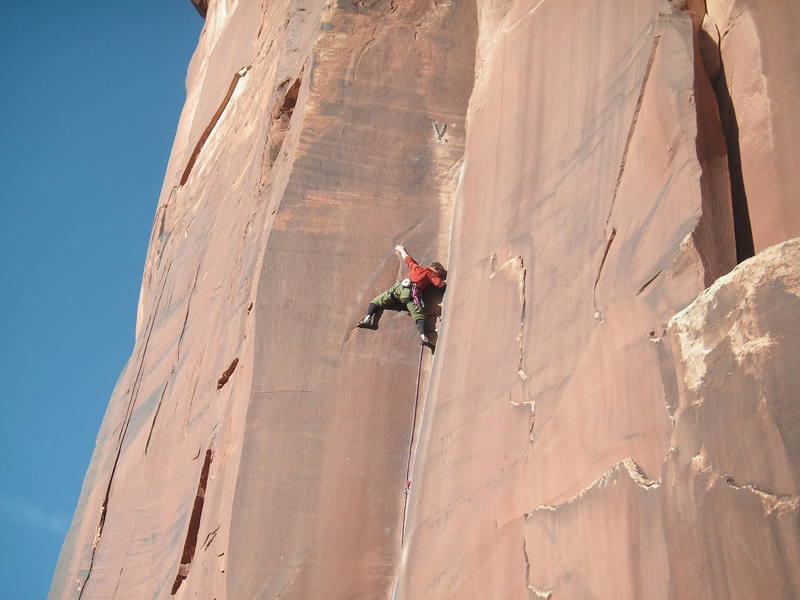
408, 293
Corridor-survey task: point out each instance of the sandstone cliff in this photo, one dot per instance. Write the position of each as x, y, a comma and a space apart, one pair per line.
611, 411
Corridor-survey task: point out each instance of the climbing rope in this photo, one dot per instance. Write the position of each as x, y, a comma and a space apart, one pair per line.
411, 445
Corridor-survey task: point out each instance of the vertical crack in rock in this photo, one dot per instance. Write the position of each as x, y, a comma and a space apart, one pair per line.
516, 264
648, 282
538, 592
532, 405
227, 374
210, 537
715, 236
158, 409
189, 411
411, 449
124, 559
188, 307
121, 436
139, 373
210, 127
161, 218
282, 116
523, 277
745, 247
527, 14
597, 314
116, 587
194, 391
634, 121
190, 544
523, 374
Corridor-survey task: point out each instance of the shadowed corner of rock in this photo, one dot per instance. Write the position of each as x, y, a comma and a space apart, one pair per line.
433, 316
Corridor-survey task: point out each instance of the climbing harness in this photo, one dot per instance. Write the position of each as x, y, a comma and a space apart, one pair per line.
415, 295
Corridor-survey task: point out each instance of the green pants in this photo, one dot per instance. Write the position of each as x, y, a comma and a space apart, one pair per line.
397, 297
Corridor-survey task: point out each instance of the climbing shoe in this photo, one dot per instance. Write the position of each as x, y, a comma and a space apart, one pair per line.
368, 321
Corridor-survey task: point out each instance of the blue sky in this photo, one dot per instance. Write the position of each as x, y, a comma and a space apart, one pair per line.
91, 93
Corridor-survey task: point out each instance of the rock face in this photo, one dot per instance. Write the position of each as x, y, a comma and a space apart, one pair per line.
733, 451
594, 423
758, 89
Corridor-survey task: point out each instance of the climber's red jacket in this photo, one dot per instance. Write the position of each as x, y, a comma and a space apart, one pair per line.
422, 276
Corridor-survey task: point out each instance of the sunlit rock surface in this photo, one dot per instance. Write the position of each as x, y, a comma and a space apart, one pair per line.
592, 424
732, 477
758, 87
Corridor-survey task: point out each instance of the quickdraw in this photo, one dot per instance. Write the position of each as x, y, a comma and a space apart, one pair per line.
415, 295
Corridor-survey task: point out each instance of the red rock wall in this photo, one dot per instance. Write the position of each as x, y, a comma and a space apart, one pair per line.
580, 223
314, 138
575, 437
730, 482
557, 459
331, 410
758, 88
